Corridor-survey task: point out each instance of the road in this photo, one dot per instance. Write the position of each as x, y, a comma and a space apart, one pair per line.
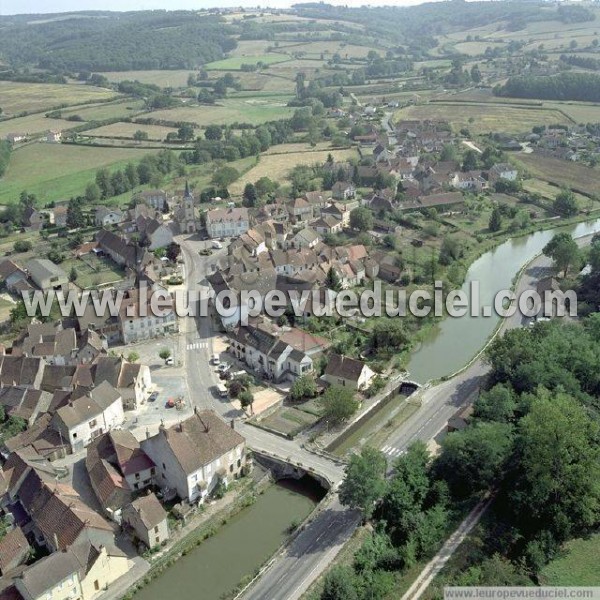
291, 573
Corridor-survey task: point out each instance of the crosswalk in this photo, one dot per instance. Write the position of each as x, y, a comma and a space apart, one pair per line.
197, 345
391, 451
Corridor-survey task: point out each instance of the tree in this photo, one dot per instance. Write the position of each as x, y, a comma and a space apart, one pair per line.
246, 400
338, 584
497, 404
185, 132
469, 161
474, 459
164, 353
338, 404
73, 275
303, 387
364, 483
250, 194
448, 152
173, 251
475, 74
92, 193
133, 357
495, 223
565, 204
140, 135
22, 246
213, 132
564, 251
332, 280
265, 187
225, 176
361, 218
556, 491
75, 217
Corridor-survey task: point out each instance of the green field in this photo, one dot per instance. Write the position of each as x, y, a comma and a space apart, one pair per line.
32, 125
127, 130
228, 111
59, 171
93, 271
481, 118
562, 172
160, 78
108, 110
578, 565
34, 97
235, 63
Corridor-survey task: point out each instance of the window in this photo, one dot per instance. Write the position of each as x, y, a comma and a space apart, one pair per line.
156, 529
152, 471
231, 468
239, 463
136, 486
96, 585
157, 540
137, 475
74, 436
93, 424
164, 467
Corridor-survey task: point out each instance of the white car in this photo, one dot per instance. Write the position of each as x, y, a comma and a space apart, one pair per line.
217, 245
214, 359
169, 361
223, 367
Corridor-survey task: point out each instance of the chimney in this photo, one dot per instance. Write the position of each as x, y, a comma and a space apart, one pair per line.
56, 541
162, 427
181, 426
232, 423
147, 433
195, 410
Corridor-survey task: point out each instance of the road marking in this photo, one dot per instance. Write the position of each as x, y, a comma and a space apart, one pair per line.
197, 345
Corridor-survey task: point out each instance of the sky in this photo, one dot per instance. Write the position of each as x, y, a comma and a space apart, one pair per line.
12, 7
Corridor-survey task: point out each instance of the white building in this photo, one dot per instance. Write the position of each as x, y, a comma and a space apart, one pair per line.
227, 222
191, 457
89, 416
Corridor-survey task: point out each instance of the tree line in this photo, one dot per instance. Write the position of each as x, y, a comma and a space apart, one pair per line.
5, 150
564, 86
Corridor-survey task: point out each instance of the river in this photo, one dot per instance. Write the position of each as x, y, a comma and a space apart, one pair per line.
238, 549
455, 341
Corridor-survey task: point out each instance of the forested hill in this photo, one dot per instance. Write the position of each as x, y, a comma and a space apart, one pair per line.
116, 41
584, 87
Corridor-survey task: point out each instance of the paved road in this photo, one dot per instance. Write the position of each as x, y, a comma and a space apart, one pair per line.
291, 573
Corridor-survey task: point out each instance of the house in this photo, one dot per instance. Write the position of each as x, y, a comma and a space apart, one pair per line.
277, 353
316, 199
305, 238
34, 219
157, 233
503, 171
193, 456
137, 320
81, 572
300, 209
12, 275
340, 211
471, 180
25, 371
118, 468
348, 372
148, 520
59, 214
105, 216
157, 199
54, 136
14, 550
46, 275
327, 224
15, 138
343, 190
121, 252
89, 416
24, 403
227, 222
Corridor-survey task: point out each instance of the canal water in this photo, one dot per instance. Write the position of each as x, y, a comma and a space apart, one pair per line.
239, 548
452, 344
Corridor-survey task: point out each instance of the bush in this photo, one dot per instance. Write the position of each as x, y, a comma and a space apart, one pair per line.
22, 246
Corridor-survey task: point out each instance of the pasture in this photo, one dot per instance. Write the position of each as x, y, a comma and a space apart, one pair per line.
278, 166
230, 110
161, 78
480, 118
234, 63
127, 130
562, 172
108, 110
577, 565
20, 97
32, 125
59, 171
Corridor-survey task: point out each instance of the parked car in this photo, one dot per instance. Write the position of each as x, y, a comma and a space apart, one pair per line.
214, 359
223, 367
169, 361
153, 396
217, 245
